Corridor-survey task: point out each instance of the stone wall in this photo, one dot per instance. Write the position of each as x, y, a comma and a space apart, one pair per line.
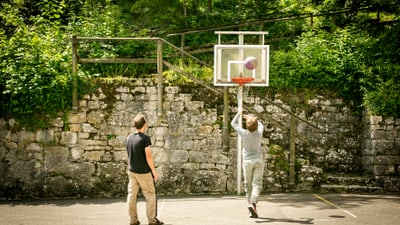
84, 154
381, 151
327, 141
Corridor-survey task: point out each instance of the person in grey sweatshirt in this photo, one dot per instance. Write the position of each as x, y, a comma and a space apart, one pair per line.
253, 162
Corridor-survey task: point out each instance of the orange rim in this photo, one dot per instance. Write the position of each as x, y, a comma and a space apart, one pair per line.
242, 80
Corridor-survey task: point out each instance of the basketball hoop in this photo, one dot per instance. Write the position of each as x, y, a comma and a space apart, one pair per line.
236, 65
242, 80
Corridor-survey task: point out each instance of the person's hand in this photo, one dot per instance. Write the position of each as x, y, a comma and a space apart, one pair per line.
245, 117
155, 177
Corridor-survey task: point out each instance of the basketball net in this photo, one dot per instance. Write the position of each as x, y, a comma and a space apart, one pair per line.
246, 89
243, 88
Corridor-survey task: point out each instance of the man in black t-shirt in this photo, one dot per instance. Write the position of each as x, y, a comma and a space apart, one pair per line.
142, 174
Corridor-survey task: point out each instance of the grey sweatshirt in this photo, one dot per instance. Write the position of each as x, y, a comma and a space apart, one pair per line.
251, 140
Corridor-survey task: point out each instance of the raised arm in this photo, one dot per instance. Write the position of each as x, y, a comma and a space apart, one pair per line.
235, 123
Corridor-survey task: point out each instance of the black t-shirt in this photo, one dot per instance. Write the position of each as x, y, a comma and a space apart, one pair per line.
135, 146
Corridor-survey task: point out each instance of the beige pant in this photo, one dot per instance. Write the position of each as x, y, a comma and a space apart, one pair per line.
144, 182
253, 171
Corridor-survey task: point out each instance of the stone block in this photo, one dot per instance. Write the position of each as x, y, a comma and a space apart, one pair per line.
87, 128
83, 135
23, 170
205, 130
138, 90
59, 186
383, 147
125, 97
96, 118
191, 166
375, 120
55, 158
151, 106
107, 157
379, 170
94, 104
77, 117
152, 97
34, 147
58, 122
5, 136
387, 160
183, 98
117, 141
219, 158
90, 142
390, 170
44, 136
161, 132
82, 104
151, 90
69, 138
179, 156
210, 143
195, 106
12, 146
120, 156
198, 157
161, 156
23, 137
259, 108
204, 181
187, 144
77, 153
122, 89
171, 90
93, 155
109, 170
74, 127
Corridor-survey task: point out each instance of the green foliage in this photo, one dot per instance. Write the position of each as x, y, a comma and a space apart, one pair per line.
33, 68
380, 85
279, 159
384, 99
202, 73
156, 14
324, 61
337, 53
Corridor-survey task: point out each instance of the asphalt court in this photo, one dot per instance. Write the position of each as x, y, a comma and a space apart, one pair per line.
273, 209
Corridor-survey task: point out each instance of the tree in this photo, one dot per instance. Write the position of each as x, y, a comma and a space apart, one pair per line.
322, 60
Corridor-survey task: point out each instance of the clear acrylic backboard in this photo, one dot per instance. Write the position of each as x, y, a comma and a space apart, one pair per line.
229, 61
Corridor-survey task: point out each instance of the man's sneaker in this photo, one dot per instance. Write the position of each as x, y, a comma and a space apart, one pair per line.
253, 211
157, 222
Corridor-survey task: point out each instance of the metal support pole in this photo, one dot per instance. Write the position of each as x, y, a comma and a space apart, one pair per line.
239, 138
74, 74
239, 142
160, 85
225, 128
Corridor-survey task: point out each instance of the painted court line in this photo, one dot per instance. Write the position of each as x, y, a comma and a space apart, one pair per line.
332, 204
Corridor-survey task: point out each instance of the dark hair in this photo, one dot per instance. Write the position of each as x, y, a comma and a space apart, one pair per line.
139, 121
252, 124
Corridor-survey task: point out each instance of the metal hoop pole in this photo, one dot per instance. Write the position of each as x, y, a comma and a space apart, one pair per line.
239, 142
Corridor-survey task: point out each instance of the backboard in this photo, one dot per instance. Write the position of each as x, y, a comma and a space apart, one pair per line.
229, 62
